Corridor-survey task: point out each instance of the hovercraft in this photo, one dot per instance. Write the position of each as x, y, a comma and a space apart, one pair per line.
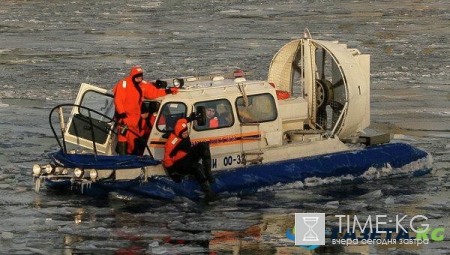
308, 122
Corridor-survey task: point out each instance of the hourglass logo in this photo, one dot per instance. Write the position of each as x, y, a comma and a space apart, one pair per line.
309, 228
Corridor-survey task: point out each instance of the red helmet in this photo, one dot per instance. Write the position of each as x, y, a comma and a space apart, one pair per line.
180, 127
136, 70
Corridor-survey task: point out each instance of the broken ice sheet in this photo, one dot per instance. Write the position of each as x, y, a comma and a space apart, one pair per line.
202, 224
372, 195
353, 206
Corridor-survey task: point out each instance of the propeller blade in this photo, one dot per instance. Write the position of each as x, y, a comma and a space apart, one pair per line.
339, 83
297, 69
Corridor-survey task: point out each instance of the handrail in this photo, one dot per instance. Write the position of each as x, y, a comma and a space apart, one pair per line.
63, 146
210, 77
93, 135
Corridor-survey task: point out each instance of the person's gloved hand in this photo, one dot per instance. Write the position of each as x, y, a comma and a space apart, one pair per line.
121, 116
172, 90
192, 117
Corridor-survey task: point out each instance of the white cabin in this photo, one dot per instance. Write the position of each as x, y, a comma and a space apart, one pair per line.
329, 86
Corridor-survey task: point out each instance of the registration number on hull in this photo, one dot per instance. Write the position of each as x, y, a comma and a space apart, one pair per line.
227, 161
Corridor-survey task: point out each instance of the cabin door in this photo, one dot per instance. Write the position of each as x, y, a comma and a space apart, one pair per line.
90, 123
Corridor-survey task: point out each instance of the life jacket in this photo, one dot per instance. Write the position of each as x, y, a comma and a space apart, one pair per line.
174, 140
214, 122
281, 94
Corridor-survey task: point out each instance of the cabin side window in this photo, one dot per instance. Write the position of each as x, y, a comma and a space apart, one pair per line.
256, 108
170, 113
219, 114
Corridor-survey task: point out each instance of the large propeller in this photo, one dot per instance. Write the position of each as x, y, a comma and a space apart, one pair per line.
333, 79
329, 87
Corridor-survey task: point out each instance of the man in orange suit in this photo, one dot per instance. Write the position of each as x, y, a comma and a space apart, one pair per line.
128, 96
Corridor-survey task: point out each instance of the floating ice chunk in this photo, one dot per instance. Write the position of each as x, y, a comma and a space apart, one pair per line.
332, 205
230, 11
405, 199
313, 181
389, 201
87, 246
123, 197
58, 211
353, 206
436, 207
279, 186
7, 235
159, 250
231, 199
186, 250
37, 251
295, 185
373, 194
312, 205
5, 186
403, 137
423, 163
65, 229
154, 244
20, 189
434, 215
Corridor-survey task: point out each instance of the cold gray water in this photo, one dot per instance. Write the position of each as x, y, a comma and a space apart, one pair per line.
49, 47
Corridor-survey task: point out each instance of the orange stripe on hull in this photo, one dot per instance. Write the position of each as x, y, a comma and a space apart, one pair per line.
215, 141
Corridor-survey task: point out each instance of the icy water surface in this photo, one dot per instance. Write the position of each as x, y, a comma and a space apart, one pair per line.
48, 48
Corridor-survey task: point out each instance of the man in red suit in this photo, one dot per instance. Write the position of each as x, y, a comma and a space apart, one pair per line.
128, 96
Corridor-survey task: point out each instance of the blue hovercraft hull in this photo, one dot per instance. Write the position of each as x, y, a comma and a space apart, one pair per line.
249, 179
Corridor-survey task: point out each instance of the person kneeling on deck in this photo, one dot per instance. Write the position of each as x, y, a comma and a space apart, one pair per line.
182, 158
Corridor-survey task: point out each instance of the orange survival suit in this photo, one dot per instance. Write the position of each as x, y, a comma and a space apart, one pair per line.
128, 96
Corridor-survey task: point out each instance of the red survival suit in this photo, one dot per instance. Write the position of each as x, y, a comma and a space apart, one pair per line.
128, 96
145, 125
212, 123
